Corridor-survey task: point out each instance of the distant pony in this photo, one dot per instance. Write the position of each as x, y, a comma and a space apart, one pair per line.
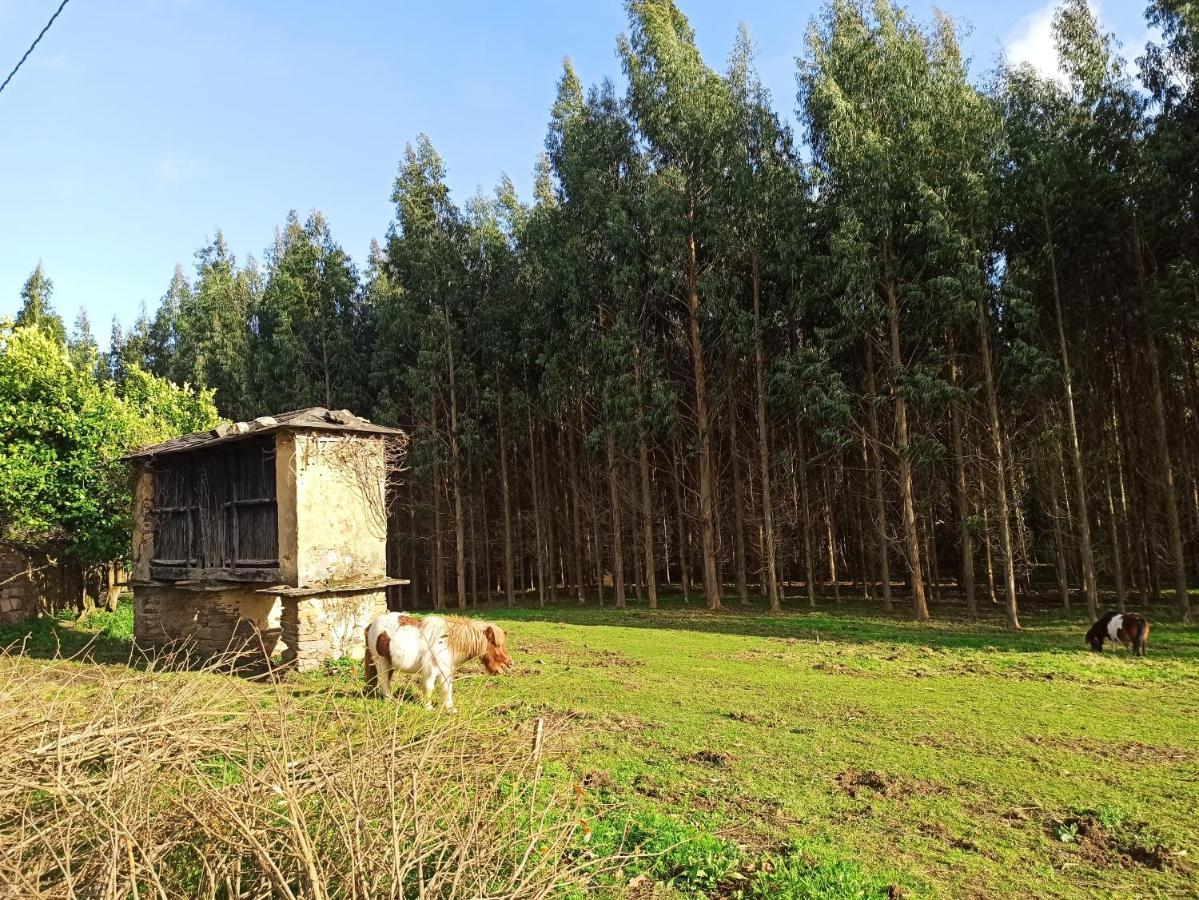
1130, 629
433, 646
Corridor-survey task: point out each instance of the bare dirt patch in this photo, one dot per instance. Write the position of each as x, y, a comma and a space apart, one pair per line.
709, 757
831, 668
1129, 847
856, 783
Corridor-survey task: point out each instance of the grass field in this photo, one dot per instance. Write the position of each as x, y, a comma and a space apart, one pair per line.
838, 752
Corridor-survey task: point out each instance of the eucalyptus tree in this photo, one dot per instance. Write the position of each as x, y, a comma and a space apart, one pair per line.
1082, 186
1169, 199
162, 342
853, 106
430, 302
82, 344
764, 223
302, 349
1044, 197
209, 346
684, 113
601, 180
36, 310
496, 236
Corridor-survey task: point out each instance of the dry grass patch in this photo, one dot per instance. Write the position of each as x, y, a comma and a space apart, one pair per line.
155, 783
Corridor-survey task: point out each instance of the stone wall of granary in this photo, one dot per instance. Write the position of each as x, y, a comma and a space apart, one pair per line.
332, 509
209, 622
304, 630
32, 583
328, 626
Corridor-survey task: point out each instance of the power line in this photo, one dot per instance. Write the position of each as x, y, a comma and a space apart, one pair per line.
41, 34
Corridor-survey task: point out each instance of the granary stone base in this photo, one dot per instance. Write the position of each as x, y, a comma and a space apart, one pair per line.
235, 620
328, 626
306, 630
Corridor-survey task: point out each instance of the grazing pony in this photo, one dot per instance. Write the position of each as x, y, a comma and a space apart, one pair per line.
433, 646
1130, 629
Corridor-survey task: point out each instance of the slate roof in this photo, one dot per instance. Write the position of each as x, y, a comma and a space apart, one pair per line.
315, 418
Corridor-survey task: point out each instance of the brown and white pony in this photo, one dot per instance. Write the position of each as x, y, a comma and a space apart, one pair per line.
433, 646
1130, 629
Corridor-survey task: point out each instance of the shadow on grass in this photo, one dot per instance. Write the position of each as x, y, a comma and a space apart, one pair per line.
102, 637
107, 638
1046, 627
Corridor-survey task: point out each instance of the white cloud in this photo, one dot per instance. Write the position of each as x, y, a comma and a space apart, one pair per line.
1031, 41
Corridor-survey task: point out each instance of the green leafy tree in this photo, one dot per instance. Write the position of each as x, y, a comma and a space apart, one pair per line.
63, 485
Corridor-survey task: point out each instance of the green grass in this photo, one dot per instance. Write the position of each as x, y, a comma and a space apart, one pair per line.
839, 753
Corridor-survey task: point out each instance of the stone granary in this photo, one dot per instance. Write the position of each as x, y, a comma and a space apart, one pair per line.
264, 536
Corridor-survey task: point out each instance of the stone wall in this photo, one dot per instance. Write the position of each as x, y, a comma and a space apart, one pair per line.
210, 622
340, 519
304, 630
32, 584
328, 626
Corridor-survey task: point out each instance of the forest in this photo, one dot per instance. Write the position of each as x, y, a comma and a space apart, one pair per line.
937, 347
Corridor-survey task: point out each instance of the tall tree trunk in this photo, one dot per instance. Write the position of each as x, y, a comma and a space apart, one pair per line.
534, 481
831, 537
919, 603
1164, 465
614, 506
550, 526
879, 501
1113, 519
456, 472
801, 464
1086, 554
739, 508
438, 556
1059, 544
505, 495
965, 539
412, 540
772, 578
647, 505
1005, 530
989, 562
1119, 510
680, 518
576, 528
486, 537
474, 552
706, 503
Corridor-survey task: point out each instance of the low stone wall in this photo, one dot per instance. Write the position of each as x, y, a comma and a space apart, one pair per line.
328, 626
210, 622
305, 630
31, 583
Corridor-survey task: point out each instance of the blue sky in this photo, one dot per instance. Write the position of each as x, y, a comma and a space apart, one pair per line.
138, 127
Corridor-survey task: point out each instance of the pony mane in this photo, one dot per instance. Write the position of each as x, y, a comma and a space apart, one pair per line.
468, 637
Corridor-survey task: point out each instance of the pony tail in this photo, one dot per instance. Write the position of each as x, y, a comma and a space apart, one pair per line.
368, 661
1141, 644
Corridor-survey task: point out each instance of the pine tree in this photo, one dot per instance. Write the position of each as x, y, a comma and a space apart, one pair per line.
36, 310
